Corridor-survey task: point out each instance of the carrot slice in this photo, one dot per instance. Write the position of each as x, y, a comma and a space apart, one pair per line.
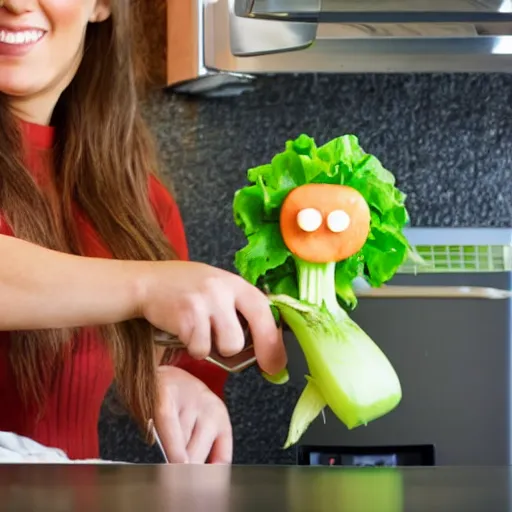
323, 223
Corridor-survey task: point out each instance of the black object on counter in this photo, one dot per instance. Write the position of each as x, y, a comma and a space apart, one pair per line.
189, 488
367, 456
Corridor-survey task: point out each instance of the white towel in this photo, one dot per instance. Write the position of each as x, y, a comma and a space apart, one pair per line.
15, 449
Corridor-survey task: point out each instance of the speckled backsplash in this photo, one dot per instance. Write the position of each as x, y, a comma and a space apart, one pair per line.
448, 140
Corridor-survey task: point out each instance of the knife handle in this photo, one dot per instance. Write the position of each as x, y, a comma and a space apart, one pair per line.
234, 364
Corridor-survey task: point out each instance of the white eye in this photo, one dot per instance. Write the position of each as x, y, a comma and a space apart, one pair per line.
338, 221
309, 219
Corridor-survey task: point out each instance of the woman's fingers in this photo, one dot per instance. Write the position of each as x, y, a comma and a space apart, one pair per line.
193, 423
169, 429
198, 331
202, 440
188, 418
222, 449
212, 440
267, 338
229, 335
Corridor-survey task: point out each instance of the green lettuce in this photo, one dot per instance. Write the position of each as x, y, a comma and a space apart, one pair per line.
267, 263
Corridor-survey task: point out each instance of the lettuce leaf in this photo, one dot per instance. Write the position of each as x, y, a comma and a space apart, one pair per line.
266, 262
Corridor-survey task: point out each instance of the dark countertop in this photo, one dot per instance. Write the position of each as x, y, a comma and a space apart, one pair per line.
253, 488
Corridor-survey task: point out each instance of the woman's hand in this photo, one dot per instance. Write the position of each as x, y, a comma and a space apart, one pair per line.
194, 301
192, 422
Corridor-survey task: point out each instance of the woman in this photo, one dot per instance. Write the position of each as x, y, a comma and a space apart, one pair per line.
92, 248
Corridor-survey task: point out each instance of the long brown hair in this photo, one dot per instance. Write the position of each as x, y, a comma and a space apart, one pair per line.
103, 159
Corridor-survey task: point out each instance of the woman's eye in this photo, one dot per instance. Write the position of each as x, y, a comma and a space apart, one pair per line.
309, 219
338, 221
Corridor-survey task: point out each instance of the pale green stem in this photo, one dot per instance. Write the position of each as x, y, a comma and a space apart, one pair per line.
317, 285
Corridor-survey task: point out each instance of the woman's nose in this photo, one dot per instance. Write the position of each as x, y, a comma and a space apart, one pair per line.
17, 6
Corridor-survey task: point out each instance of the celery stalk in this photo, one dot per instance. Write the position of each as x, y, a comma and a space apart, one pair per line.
348, 371
310, 404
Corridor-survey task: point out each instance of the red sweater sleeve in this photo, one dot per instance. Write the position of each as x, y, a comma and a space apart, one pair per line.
169, 216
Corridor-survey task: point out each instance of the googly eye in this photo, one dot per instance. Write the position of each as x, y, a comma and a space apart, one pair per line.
338, 221
309, 219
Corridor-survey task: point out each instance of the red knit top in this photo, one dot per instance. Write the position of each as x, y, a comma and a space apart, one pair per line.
71, 415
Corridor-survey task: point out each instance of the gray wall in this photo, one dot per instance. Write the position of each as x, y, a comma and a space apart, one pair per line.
448, 139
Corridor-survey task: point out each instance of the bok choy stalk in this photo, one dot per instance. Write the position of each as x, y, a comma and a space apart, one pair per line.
348, 371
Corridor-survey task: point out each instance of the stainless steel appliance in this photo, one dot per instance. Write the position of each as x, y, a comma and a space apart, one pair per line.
452, 355
219, 46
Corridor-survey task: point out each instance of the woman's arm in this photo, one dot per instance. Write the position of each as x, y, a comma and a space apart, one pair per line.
41, 289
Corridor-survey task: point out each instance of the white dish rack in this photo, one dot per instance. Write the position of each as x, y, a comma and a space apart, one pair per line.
448, 250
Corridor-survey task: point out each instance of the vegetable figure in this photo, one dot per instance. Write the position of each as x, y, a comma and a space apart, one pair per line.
315, 219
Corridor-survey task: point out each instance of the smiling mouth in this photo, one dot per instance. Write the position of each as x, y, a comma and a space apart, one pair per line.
21, 37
